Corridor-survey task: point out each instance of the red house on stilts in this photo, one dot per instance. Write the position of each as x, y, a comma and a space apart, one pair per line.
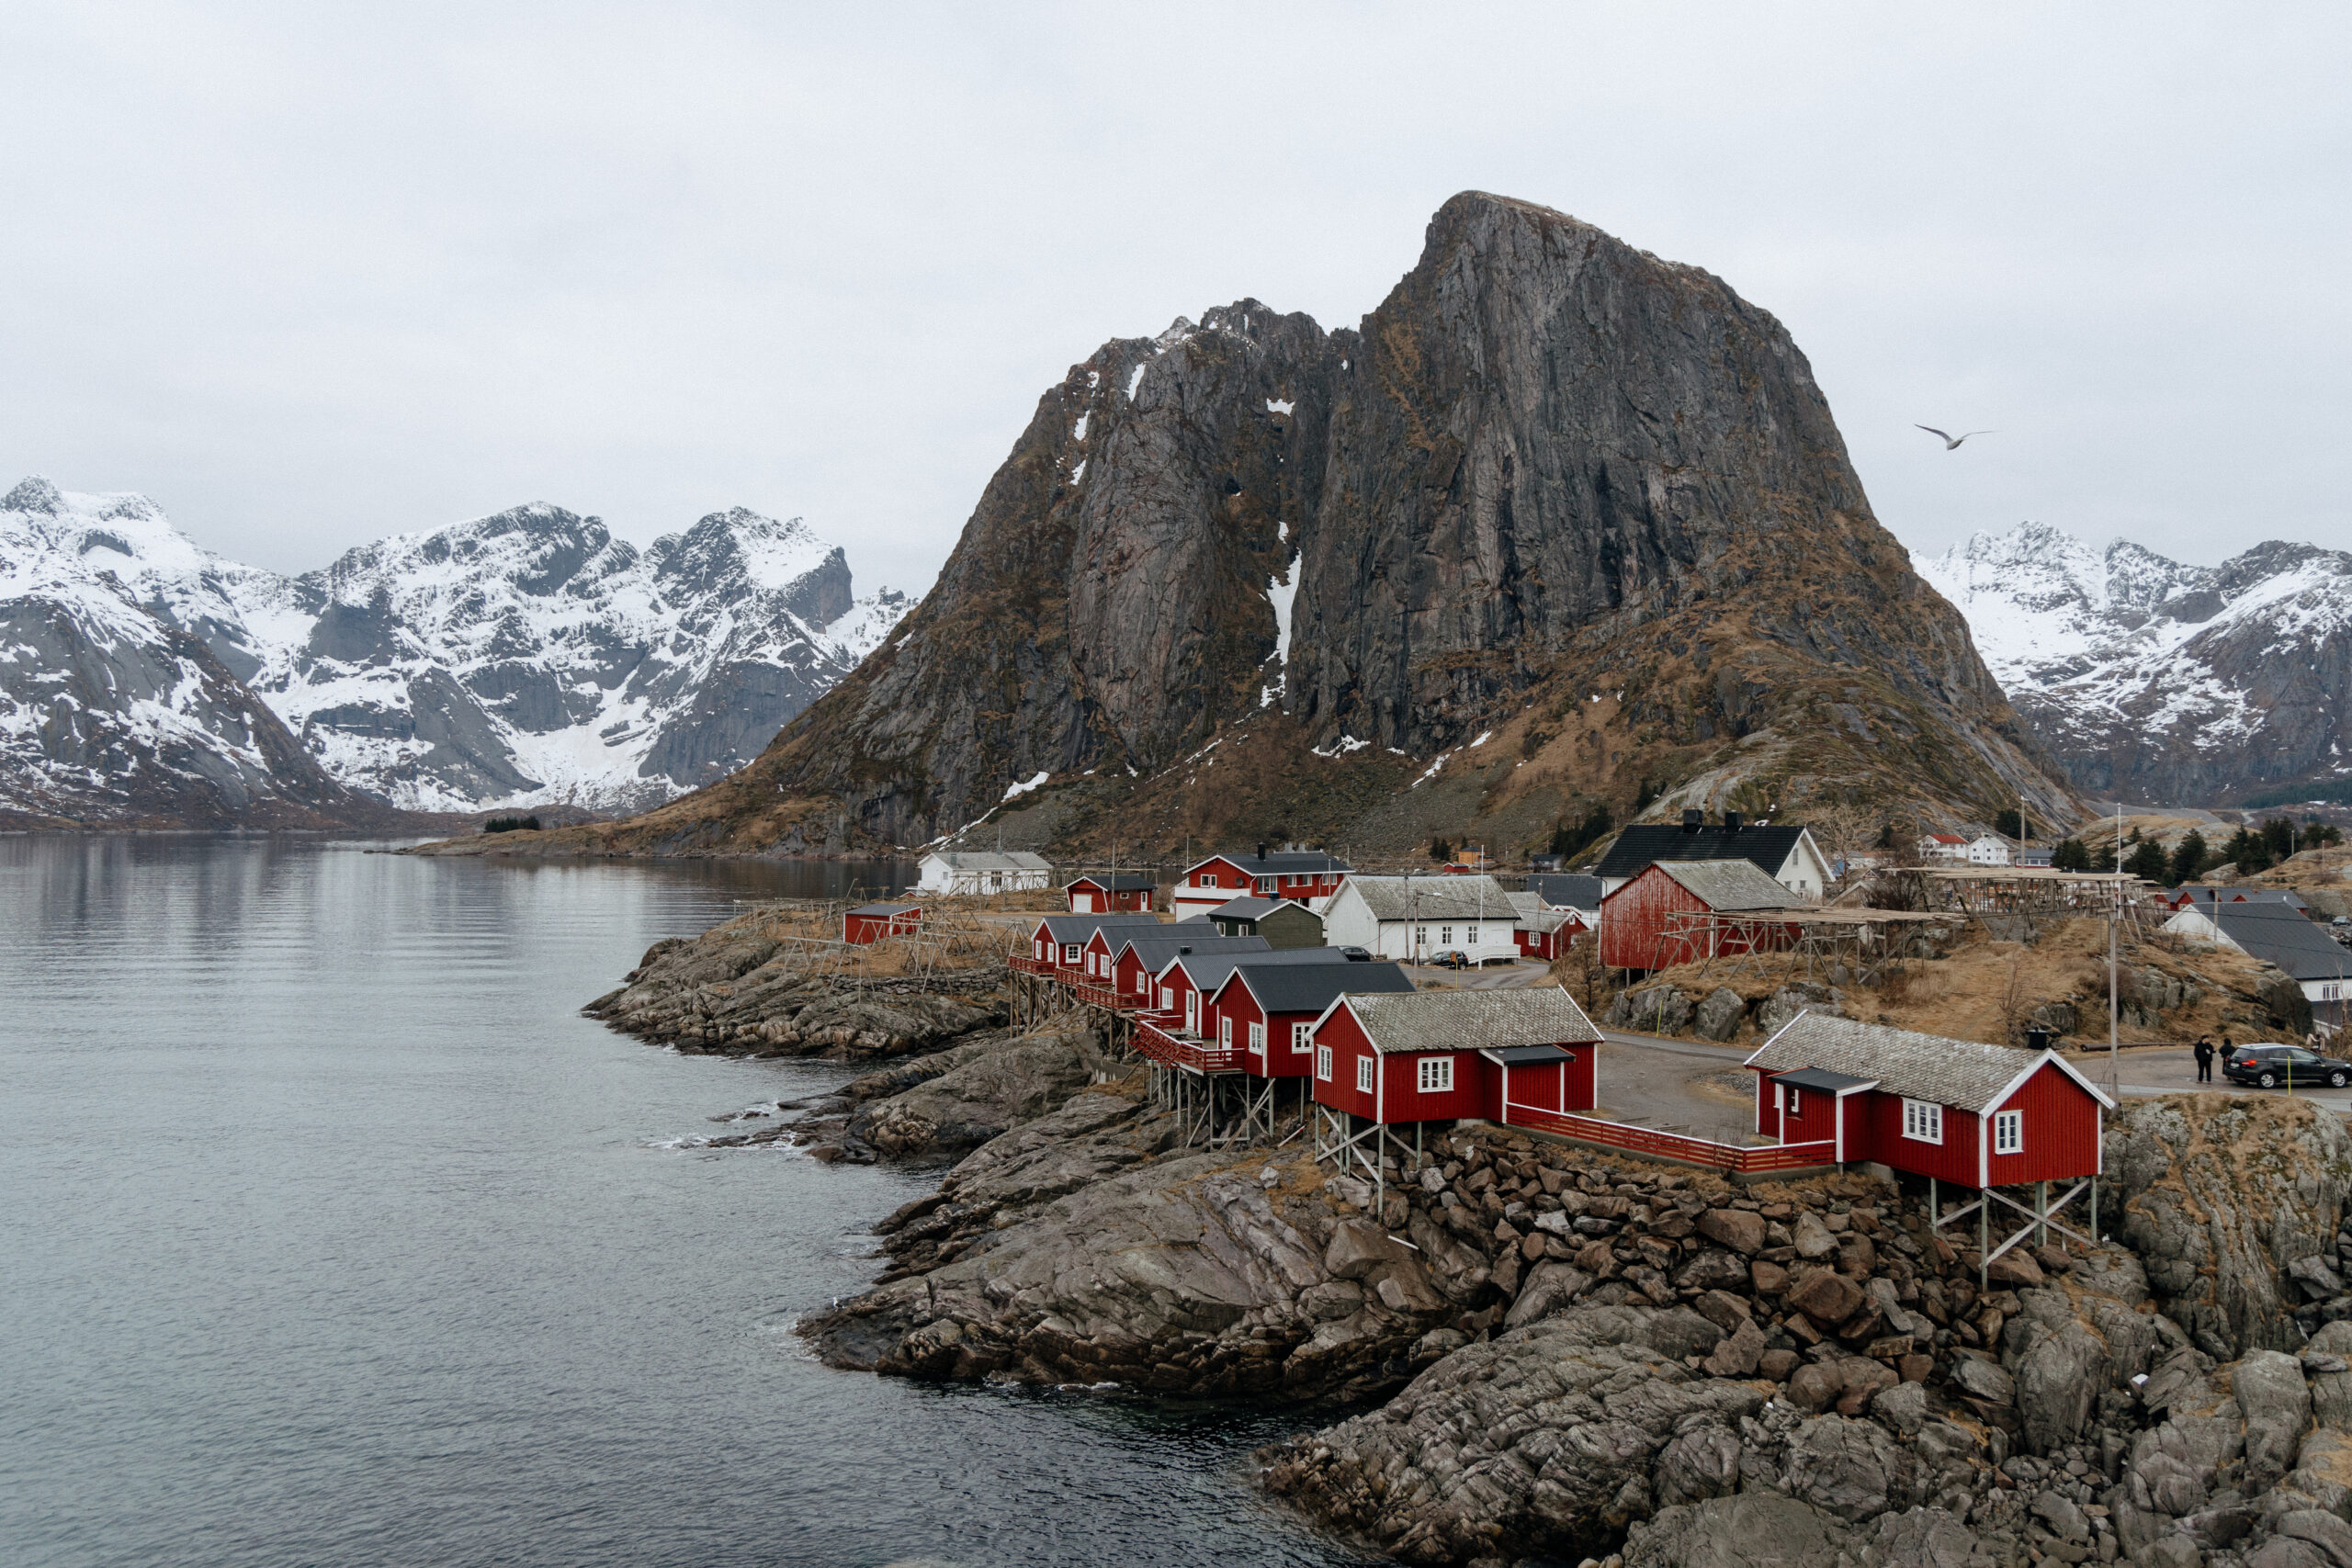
1958, 1112
1385, 1061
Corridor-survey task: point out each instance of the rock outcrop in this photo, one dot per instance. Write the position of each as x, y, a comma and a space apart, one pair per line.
1553, 492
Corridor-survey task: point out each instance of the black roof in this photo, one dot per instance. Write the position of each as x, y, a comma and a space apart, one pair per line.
1526, 1055
1821, 1079
1208, 970
1154, 951
1310, 987
1122, 882
2281, 934
1647, 843
1077, 927
1564, 891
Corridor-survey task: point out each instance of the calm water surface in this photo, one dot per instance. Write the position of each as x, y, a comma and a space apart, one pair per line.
332, 1236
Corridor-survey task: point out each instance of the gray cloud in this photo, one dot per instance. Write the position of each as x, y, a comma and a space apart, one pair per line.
313, 275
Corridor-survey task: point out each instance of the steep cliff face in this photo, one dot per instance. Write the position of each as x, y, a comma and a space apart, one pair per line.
1553, 489
2167, 683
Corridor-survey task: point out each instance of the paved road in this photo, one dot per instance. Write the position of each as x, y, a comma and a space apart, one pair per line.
2172, 1069
1493, 977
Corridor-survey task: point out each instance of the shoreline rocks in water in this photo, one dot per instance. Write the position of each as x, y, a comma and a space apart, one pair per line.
1584, 1354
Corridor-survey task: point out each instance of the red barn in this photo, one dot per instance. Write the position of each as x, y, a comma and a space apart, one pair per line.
1658, 918
872, 922
1958, 1111
1306, 876
1447, 1055
1100, 894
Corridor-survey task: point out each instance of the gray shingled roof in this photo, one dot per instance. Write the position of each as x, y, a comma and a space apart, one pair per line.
1962, 1073
1155, 949
1077, 927
1243, 909
1567, 890
1208, 970
1471, 1020
1311, 987
1434, 897
1728, 886
992, 860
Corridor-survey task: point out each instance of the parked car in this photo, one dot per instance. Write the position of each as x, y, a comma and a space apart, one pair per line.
2341, 920
1453, 958
2267, 1067
1356, 954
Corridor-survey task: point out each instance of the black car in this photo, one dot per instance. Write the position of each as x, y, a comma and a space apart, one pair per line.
1356, 954
2267, 1067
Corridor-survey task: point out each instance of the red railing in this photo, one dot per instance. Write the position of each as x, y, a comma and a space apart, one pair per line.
1101, 996
1027, 965
1674, 1145
1185, 1050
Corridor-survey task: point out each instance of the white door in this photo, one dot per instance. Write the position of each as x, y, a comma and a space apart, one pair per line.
1083, 903
1191, 1012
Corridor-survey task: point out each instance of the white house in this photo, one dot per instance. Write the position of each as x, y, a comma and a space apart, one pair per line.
1989, 849
1943, 846
1413, 919
983, 871
2280, 934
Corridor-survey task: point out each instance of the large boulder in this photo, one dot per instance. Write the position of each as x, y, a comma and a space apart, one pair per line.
976, 1092
1754, 1529
1544, 1440
2069, 1344
1720, 1016
2221, 1195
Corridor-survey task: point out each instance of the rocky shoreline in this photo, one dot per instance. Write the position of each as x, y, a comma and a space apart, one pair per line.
1581, 1356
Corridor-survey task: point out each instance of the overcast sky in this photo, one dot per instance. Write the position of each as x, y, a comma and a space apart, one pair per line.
309, 275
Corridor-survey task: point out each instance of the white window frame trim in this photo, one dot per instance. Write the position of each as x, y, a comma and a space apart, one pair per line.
1323, 1062
1366, 1078
1302, 1037
1923, 1122
1434, 1075
2008, 1132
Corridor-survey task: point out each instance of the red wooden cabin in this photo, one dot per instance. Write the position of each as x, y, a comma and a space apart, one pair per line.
1546, 934
1101, 895
1059, 940
1447, 1055
1306, 876
1185, 984
1270, 1008
1141, 956
872, 922
1662, 916
1962, 1112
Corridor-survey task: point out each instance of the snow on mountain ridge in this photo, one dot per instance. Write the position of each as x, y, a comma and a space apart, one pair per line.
511, 660
2169, 680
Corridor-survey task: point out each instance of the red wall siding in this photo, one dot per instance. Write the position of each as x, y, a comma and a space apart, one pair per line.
2061, 1131
1874, 1131
1543, 1088
1816, 1119
1282, 1062
1767, 1120
1233, 1000
1477, 1090
1634, 925
1134, 900
1346, 1038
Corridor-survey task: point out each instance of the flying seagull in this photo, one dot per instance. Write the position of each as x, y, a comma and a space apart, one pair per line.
1951, 440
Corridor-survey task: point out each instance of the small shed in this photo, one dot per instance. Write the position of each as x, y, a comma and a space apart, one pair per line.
1663, 915
1958, 1111
1284, 924
1545, 934
871, 922
1446, 1056
1096, 894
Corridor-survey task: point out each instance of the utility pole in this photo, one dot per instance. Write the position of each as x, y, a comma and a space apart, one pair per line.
2114, 914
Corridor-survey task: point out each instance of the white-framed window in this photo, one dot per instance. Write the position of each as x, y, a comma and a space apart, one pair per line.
1364, 1075
1224, 1033
1922, 1120
1069, 952
1265, 887
1323, 1062
1470, 935
1258, 1038
1796, 1102
1302, 1036
1167, 998
1445, 936
1437, 1075
1420, 936
2009, 1133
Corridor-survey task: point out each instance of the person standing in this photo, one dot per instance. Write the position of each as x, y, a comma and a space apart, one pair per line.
2204, 1058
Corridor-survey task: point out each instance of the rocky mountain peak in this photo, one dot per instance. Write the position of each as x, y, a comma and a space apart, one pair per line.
1548, 465
33, 493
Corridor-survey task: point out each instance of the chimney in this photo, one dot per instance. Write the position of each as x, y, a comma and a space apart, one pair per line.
1731, 822
1262, 851
1692, 821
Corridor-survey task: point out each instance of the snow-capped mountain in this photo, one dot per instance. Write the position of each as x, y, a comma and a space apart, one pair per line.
2160, 680
519, 658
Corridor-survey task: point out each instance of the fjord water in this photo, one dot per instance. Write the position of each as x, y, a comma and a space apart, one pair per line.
332, 1235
